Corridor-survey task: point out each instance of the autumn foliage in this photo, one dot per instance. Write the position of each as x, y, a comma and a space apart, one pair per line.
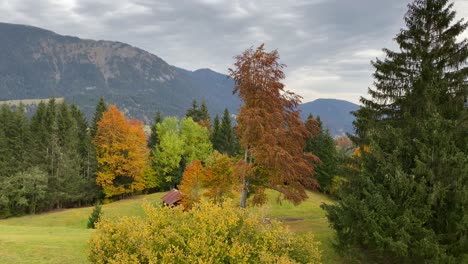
207, 233
217, 181
121, 152
269, 126
192, 183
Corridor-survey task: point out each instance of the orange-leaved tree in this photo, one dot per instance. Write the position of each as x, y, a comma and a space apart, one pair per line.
221, 180
269, 126
192, 183
121, 153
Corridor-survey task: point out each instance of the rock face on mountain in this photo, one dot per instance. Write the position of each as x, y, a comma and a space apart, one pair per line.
36, 63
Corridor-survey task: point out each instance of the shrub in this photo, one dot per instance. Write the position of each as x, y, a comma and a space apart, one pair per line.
207, 233
336, 184
95, 216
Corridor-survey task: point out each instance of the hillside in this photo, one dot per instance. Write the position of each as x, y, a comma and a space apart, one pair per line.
335, 114
37, 63
61, 236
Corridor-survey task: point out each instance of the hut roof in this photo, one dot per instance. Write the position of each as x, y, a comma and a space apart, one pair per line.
172, 197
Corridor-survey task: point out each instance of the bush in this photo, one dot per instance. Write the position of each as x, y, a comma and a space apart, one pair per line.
206, 233
337, 183
95, 216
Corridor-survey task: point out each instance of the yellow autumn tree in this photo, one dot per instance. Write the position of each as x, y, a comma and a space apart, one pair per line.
221, 181
192, 183
121, 153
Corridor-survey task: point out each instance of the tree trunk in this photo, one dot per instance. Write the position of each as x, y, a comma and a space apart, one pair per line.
245, 183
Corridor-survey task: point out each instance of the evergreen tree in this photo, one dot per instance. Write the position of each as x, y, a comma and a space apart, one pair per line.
95, 216
4, 151
216, 139
154, 139
101, 107
322, 145
204, 114
199, 114
17, 136
40, 136
194, 112
228, 142
408, 202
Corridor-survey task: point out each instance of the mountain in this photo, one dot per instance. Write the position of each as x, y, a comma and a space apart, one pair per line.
37, 63
335, 114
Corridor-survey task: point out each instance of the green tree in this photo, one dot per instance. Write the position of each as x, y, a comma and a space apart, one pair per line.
17, 142
154, 139
87, 156
95, 216
181, 142
101, 107
22, 193
322, 145
407, 203
199, 114
196, 139
224, 136
215, 137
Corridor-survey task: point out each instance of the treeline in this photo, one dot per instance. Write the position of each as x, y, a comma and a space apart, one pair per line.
55, 159
47, 161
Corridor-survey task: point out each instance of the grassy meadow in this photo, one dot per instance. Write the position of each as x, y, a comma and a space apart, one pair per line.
62, 237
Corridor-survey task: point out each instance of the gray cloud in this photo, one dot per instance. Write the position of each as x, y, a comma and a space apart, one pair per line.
327, 44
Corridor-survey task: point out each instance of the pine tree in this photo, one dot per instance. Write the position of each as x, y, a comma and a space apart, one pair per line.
216, 137
194, 112
101, 107
16, 133
199, 114
408, 202
228, 141
322, 145
154, 139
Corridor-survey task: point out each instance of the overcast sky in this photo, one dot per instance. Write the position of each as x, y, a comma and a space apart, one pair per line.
326, 44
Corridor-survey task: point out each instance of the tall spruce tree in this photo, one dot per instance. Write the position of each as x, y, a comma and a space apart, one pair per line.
322, 145
16, 135
408, 202
215, 137
229, 143
87, 156
154, 139
199, 114
101, 107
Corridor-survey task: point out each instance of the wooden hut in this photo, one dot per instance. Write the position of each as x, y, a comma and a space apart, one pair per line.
172, 198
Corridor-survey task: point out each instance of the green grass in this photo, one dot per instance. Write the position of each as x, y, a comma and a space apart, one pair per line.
61, 236
307, 217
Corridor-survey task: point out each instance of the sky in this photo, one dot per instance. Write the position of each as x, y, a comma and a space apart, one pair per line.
327, 45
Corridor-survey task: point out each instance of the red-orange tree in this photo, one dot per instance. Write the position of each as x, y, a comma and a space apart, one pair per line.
269, 126
121, 153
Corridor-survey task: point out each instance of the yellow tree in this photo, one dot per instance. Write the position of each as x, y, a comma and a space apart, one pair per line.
121, 153
221, 181
192, 183
269, 126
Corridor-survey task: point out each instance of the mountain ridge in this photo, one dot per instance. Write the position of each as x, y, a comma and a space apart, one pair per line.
39, 63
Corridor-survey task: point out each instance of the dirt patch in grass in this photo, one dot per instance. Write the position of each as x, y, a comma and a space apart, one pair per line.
291, 219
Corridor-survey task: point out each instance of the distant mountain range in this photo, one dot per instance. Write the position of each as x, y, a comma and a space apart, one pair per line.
335, 114
37, 63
